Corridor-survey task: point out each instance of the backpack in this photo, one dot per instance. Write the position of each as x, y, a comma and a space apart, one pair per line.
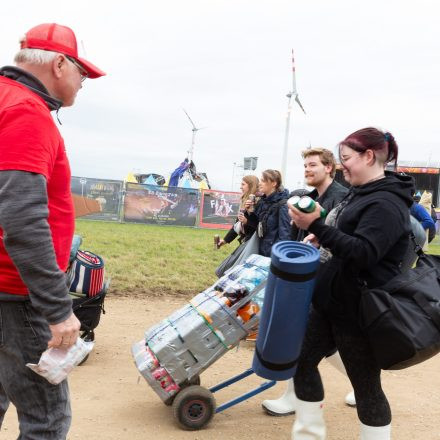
86, 274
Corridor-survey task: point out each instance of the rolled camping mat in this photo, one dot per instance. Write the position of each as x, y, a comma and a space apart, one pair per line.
285, 312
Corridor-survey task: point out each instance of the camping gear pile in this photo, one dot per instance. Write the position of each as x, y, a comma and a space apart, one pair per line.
174, 352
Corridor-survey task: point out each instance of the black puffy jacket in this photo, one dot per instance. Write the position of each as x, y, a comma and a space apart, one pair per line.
272, 213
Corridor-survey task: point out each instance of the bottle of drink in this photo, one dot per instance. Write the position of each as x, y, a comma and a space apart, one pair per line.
225, 301
293, 201
248, 311
159, 373
216, 241
305, 204
235, 293
151, 361
251, 198
172, 387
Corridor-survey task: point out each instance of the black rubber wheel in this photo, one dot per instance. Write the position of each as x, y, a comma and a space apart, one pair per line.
194, 407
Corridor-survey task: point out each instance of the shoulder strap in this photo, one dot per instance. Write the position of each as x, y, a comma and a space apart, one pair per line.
417, 249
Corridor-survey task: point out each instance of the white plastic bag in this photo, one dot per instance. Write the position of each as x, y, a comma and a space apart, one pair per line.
56, 363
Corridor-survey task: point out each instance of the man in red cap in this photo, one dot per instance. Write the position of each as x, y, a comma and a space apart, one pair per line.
36, 225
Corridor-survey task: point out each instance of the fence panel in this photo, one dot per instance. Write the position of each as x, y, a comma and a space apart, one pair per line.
108, 193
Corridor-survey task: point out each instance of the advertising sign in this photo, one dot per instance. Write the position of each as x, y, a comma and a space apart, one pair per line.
219, 209
106, 192
154, 204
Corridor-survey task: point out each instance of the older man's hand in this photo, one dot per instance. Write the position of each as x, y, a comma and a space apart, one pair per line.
64, 334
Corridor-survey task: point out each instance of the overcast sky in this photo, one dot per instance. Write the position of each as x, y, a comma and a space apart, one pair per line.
228, 63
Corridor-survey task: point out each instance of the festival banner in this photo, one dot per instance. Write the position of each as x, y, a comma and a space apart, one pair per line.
160, 205
107, 193
219, 209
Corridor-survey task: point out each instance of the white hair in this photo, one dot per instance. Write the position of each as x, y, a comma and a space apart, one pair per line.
34, 56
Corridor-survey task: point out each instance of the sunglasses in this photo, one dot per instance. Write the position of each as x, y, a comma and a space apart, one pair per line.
84, 74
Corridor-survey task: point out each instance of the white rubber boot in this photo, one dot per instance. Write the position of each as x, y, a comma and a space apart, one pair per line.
350, 400
375, 432
309, 423
283, 406
336, 361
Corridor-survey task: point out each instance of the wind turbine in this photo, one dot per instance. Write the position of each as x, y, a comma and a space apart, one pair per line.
193, 139
292, 94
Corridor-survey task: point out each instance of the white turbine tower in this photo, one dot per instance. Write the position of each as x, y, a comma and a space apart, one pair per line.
293, 94
193, 138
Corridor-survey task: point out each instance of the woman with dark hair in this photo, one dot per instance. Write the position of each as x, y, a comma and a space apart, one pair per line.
367, 237
271, 217
241, 228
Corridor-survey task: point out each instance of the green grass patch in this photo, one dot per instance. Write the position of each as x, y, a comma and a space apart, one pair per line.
434, 246
150, 259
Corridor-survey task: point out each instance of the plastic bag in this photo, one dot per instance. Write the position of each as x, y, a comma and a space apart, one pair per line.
56, 363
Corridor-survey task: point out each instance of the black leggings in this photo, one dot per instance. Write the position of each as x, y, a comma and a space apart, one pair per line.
322, 336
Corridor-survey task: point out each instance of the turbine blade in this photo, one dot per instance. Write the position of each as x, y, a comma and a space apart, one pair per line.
299, 103
190, 120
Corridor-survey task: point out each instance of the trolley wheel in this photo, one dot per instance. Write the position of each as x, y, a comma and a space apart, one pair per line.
87, 336
194, 407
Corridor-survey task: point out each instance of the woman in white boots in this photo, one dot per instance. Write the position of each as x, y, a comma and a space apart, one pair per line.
367, 237
286, 404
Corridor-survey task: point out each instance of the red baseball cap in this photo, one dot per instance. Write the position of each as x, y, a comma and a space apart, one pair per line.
61, 39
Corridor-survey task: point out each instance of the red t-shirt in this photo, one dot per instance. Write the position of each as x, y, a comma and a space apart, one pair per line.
30, 141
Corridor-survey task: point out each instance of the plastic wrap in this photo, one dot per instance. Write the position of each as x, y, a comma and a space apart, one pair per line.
56, 363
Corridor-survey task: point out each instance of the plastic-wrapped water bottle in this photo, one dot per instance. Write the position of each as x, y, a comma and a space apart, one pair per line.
235, 293
260, 261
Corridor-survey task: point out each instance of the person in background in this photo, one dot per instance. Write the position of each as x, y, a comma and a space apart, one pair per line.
270, 218
362, 248
319, 173
36, 225
426, 202
242, 229
423, 216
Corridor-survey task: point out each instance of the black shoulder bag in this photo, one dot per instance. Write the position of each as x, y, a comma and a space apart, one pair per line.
402, 318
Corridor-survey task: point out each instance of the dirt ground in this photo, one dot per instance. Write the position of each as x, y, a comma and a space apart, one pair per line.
111, 401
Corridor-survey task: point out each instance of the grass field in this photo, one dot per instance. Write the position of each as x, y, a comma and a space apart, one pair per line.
155, 260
